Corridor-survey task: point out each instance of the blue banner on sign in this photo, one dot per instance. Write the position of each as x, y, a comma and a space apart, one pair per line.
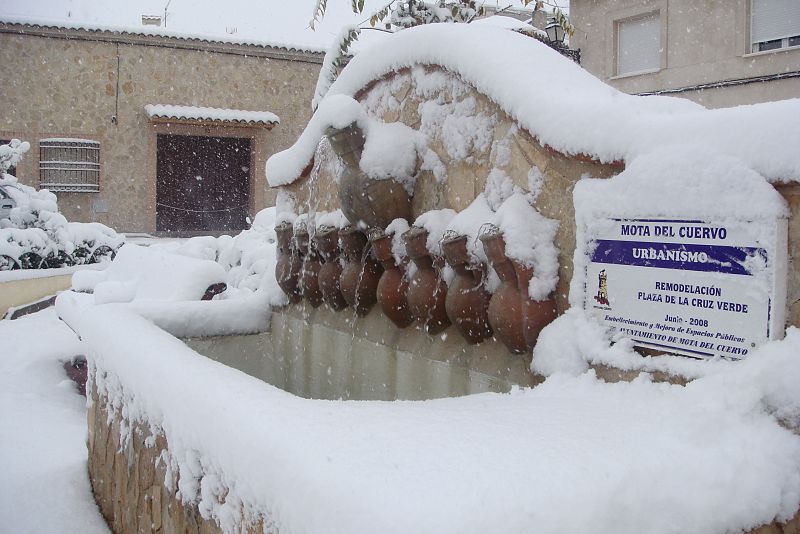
690, 257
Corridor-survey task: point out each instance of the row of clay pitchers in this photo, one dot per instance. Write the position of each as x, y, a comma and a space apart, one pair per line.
309, 269
509, 314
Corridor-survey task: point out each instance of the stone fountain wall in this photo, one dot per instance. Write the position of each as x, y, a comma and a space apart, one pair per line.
470, 137
129, 479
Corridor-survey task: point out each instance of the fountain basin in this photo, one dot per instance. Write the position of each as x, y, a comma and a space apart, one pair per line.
321, 354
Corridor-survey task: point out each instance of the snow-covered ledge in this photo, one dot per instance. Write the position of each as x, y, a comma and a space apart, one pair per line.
179, 441
248, 315
172, 113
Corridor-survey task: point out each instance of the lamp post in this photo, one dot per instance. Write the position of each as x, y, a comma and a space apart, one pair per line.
554, 31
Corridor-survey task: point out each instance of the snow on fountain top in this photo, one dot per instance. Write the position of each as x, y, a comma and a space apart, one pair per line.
561, 104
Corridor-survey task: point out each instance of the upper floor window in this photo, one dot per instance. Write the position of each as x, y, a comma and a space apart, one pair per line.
774, 24
638, 44
70, 165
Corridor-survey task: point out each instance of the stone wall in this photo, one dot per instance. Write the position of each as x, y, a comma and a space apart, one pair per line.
451, 177
67, 83
128, 480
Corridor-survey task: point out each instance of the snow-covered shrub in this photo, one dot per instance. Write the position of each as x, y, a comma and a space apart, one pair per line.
248, 258
33, 234
12, 153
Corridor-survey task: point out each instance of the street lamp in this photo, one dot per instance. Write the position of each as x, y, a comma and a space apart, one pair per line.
554, 31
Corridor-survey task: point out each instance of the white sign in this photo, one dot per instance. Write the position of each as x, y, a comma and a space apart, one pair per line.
689, 287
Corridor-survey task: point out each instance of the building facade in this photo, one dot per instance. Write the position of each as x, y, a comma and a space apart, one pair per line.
79, 96
716, 53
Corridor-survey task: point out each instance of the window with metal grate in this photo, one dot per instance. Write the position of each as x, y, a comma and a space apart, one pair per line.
69, 165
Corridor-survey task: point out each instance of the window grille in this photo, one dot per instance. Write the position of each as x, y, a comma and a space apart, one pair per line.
774, 24
639, 44
69, 165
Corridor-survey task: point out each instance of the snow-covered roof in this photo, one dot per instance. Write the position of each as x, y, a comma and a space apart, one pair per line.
567, 108
194, 113
154, 31
261, 23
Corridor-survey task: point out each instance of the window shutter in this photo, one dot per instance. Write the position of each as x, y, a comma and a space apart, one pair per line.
774, 19
639, 44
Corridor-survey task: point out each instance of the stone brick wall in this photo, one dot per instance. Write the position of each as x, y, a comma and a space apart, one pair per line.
128, 480
67, 83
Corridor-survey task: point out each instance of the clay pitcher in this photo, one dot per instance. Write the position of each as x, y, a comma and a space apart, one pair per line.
536, 314
426, 289
467, 301
505, 306
327, 243
361, 272
309, 274
375, 202
393, 286
287, 269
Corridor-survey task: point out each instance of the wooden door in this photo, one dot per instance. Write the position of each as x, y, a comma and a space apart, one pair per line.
202, 183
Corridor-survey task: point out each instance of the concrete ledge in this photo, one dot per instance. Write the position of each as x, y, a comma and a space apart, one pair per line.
16, 293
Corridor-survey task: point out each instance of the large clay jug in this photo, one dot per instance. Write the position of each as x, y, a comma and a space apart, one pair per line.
361, 272
505, 306
426, 289
327, 242
287, 268
467, 301
309, 274
536, 314
375, 202
393, 286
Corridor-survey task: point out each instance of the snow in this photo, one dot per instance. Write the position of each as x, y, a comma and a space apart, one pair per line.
44, 487
146, 273
469, 222
164, 281
462, 130
529, 238
572, 454
390, 149
69, 140
567, 108
11, 154
35, 225
435, 222
166, 111
390, 152
396, 229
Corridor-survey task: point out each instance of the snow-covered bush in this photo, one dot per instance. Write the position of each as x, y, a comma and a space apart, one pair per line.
33, 234
248, 258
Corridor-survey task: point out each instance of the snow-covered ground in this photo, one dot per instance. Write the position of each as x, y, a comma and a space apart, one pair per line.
44, 487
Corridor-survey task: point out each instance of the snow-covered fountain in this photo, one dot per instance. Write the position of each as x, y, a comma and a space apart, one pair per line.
436, 232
